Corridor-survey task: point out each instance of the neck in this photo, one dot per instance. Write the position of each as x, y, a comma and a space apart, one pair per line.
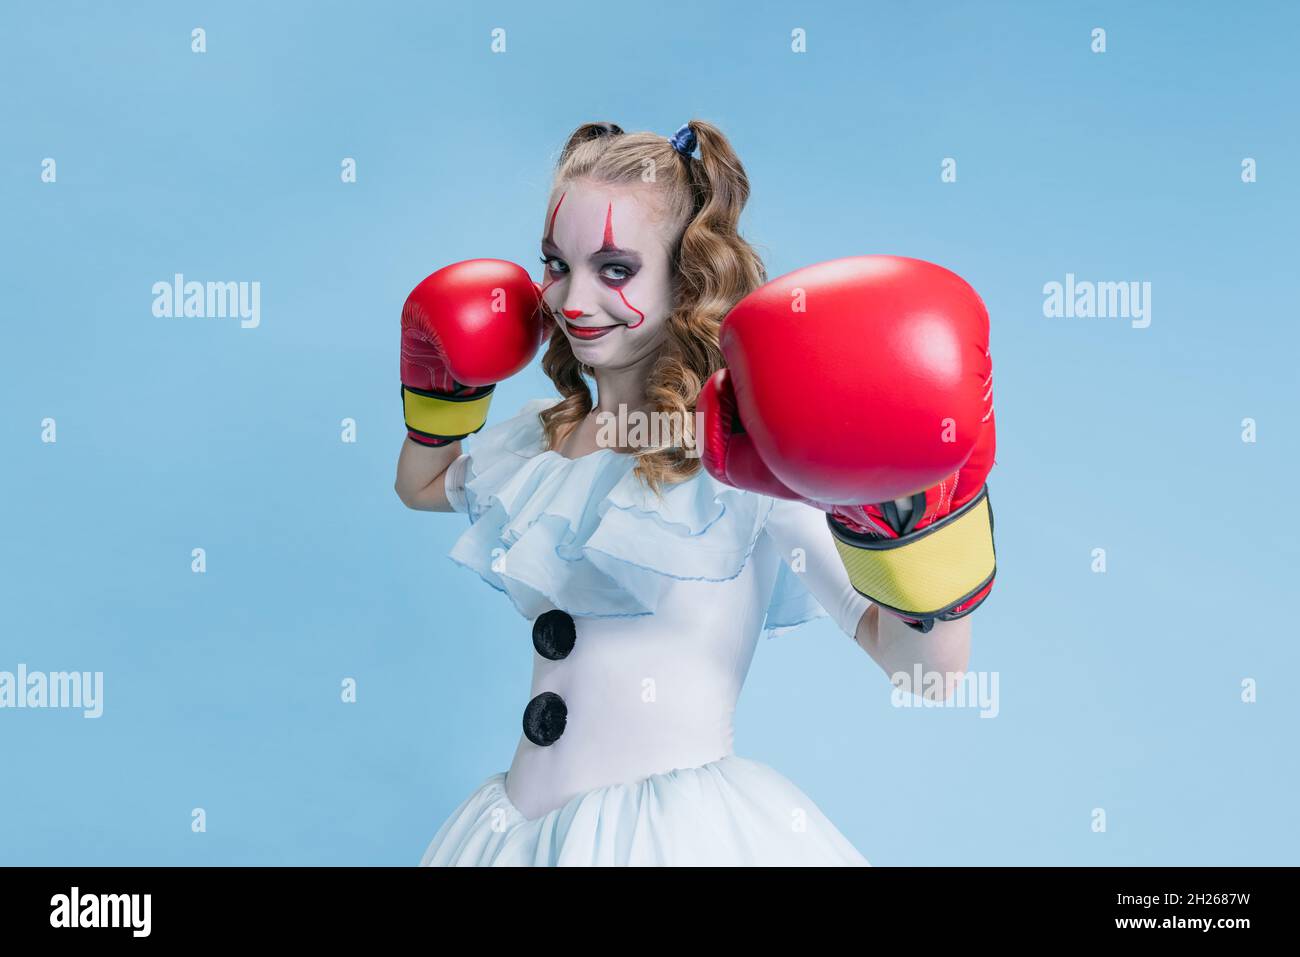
624, 386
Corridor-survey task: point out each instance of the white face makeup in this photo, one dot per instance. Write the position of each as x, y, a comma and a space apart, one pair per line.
608, 276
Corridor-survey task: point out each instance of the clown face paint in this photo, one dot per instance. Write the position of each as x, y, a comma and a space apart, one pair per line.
608, 274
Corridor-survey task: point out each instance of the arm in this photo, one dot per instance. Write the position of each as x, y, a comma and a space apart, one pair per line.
464, 328
894, 439
799, 530
899, 650
422, 475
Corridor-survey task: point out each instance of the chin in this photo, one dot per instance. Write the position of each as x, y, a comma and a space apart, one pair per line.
597, 354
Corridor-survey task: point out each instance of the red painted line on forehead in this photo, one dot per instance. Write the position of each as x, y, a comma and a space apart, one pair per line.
550, 229
608, 242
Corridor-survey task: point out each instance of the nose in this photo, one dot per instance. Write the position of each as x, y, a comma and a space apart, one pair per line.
580, 294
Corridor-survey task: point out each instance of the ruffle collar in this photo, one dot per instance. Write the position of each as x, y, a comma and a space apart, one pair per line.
586, 535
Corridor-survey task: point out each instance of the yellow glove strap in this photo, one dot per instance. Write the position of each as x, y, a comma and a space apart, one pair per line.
929, 572
439, 416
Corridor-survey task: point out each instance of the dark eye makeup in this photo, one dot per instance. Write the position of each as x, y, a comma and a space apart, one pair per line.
613, 274
620, 273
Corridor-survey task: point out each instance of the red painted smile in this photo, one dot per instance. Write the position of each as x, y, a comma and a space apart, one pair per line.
589, 332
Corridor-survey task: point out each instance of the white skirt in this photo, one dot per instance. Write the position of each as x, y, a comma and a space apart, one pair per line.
732, 811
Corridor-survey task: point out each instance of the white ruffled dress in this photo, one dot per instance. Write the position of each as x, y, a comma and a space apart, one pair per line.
668, 597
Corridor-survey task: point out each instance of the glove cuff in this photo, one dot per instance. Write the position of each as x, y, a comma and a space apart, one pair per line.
924, 575
436, 418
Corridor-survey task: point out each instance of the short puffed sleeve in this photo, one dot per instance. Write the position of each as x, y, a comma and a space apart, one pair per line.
812, 580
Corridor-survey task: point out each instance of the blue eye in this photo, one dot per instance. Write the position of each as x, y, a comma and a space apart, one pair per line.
555, 264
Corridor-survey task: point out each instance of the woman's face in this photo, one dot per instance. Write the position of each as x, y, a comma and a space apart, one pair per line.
608, 273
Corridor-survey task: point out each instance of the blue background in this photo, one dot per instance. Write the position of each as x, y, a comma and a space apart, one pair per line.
1118, 690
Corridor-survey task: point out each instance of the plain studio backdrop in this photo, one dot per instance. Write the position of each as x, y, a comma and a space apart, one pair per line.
1120, 693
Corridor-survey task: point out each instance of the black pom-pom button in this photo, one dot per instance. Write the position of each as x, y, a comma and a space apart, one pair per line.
554, 634
544, 719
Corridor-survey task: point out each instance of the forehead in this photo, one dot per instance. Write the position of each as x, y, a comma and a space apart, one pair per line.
579, 212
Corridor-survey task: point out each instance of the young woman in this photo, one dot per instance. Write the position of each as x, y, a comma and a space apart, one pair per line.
646, 579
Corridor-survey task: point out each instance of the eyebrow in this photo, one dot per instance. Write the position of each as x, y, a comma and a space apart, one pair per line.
604, 252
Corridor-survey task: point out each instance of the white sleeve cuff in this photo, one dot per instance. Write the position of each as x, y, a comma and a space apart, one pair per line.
454, 484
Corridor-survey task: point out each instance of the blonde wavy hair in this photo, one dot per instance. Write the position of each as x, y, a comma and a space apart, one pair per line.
713, 269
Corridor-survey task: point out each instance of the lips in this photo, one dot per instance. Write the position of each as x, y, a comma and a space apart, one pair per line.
589, 332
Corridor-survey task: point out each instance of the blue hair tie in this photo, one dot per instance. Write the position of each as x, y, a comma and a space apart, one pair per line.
684, 141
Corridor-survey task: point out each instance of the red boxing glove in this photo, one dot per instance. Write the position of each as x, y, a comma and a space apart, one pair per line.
894, 353
726, 449
862, 379
465, 328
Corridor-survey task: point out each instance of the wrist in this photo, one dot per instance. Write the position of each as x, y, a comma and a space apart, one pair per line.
435, 417
940, 572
